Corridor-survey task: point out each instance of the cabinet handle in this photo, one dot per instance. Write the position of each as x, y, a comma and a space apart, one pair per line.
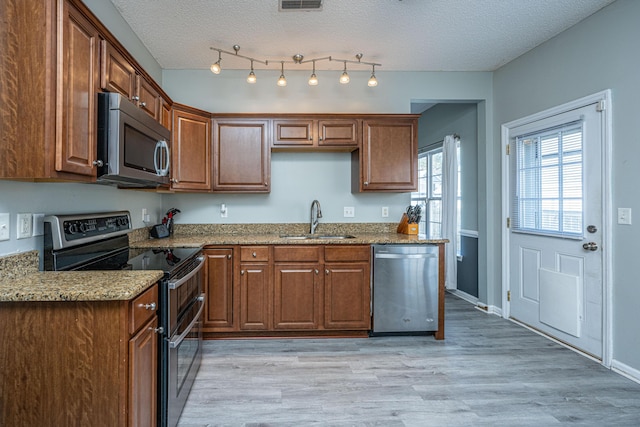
242, 272
135, 98
320, 139
266, 184
317, 272
326, 271
158, 330
143, 104
254, 254
174, 180
151, 306
366, 183
98, 163
229, 256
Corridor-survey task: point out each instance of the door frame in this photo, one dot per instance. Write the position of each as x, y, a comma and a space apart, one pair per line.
604, 98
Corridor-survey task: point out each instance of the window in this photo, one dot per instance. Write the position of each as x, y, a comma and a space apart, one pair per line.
548, 182
429, 194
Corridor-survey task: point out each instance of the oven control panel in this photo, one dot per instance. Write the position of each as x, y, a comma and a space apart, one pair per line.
71, 230
81, 228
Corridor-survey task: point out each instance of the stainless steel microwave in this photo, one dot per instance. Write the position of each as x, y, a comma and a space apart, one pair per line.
133, 148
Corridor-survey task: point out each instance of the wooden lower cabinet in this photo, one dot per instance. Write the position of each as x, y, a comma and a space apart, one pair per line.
218, 279
297, 298
288, 290
79, 362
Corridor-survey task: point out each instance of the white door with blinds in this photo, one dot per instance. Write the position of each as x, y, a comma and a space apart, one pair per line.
556, 225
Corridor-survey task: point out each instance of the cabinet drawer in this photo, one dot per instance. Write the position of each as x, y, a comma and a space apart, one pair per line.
347, 253
143, 308
296, 253
254, 253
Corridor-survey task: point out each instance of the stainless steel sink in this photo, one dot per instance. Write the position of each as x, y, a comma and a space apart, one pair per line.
316, 236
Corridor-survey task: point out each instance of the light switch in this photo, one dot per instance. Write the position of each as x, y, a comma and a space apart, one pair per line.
624, 216
4, 226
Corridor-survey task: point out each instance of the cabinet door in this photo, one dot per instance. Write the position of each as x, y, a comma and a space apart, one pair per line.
242, 158
117, 74
78, 79
297, 296
293, 133
190, 151
218, 282
148, 98
338, 133
347, 296
165, 114
255, 293
389, 155
143, 374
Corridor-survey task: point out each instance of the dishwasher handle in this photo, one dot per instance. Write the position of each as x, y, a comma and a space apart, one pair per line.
405, 256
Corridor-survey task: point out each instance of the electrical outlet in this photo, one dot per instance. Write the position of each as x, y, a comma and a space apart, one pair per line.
385, 211
4, 226
349, 211
224, 212
24, 225
38, 224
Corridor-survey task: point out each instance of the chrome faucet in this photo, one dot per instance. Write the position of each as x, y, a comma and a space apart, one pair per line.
316, 217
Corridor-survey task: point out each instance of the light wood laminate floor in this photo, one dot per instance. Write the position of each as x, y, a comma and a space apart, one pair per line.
487, 372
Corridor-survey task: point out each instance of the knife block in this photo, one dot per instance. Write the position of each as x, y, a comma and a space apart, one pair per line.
405, 227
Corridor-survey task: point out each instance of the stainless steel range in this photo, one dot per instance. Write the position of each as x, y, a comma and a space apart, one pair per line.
99, 242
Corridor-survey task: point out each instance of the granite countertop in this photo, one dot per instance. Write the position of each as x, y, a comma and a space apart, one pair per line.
197, 240
77, 285
20, 280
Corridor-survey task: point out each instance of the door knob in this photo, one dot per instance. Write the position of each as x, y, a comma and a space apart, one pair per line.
590, 246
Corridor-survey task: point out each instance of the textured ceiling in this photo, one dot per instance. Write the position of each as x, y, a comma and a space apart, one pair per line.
402, 35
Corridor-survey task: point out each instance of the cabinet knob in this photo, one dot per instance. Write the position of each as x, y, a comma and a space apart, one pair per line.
320, 139
229, 256
317, 272
151, 306
174, 180
135, 98
326, 271
157, 330
143, 104
266, 184
366, 183
98, 163
254, 254
242, 272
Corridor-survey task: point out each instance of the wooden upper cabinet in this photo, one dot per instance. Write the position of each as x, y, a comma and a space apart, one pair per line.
338, 133
241, 156
118, 74
388, 158
78, 47
190, 149
165, 114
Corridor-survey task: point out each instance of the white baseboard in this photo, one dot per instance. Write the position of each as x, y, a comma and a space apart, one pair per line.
489, 309
625, 370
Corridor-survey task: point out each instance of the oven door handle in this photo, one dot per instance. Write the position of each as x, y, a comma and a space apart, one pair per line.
177, 283
175, 343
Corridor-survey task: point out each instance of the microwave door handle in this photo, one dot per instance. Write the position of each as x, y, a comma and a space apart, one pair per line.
162, 148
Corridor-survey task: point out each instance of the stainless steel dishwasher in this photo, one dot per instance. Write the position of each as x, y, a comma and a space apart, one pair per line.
405, 289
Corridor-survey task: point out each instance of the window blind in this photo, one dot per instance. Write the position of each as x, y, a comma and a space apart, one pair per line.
547, 181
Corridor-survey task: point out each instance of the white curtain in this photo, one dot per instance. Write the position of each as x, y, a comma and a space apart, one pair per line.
450, 209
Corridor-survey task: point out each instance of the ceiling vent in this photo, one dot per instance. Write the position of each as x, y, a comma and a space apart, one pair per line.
299, 5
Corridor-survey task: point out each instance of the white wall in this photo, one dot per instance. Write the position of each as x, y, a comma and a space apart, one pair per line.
596, 54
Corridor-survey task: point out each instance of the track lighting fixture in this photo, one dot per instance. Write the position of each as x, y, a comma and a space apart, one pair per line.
344, 78
252, 76
313, 80
282, 81
215, 68
297, 59
372, 80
